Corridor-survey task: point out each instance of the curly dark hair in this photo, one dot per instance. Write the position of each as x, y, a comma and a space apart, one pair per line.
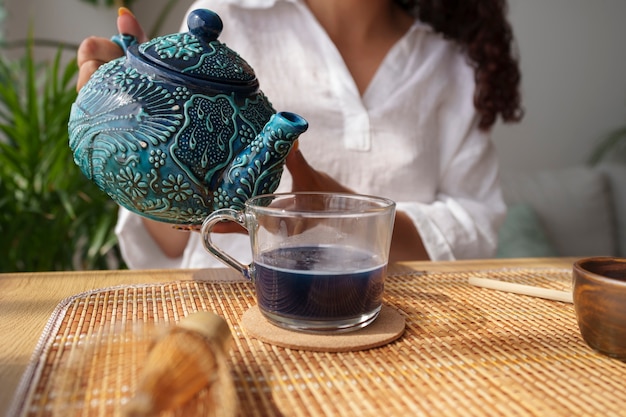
483, 31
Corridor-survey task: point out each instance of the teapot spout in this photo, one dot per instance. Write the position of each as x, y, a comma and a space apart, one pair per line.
293, 124
259, 167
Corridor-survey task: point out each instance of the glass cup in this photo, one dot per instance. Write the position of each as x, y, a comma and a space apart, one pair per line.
319, 260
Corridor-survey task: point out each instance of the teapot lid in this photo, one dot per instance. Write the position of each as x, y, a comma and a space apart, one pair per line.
198, 56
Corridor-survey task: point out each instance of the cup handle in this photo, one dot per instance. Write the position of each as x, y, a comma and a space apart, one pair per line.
207, 226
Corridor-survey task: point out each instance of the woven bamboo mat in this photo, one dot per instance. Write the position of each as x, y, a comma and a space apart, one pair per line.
465, 351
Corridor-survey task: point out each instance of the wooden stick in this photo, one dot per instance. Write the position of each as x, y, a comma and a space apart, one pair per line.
563, 296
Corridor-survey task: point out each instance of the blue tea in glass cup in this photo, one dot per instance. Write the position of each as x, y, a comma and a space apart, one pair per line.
319, 259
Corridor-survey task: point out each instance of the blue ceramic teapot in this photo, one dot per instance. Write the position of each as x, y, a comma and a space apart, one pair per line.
178, 127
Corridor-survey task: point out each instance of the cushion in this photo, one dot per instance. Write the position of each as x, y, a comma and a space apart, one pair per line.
573, 205
616, 176
522, 235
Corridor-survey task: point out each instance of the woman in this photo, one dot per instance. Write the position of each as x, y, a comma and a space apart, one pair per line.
400, 97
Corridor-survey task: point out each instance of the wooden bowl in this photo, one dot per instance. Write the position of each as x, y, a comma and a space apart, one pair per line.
600, 303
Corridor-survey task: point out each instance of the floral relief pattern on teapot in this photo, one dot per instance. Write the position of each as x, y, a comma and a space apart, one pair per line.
178, 127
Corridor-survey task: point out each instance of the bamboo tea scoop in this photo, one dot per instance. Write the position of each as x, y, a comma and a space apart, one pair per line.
188, 358
549, 294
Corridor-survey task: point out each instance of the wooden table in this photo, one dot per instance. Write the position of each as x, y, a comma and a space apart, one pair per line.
28, 299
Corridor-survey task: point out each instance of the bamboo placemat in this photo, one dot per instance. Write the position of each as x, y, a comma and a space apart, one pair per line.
465, 351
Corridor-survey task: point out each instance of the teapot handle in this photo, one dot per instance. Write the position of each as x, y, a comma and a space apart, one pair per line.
123, 41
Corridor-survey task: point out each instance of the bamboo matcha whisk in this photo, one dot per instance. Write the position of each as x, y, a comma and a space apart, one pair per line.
186, 359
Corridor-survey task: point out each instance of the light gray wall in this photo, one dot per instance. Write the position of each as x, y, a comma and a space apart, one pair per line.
73, 20
573, 62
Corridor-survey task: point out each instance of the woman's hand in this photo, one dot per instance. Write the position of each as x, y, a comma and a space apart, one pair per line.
406, 243
305, 178
95, 51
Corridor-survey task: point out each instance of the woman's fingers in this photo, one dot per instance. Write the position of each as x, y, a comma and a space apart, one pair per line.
92, 53
127, 24
303, 176
86, 69
95, 51
306, 178
222, 227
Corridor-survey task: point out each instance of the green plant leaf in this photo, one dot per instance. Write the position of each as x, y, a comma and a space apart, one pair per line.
51, 216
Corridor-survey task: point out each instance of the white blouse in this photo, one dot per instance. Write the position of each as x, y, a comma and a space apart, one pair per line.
412, 136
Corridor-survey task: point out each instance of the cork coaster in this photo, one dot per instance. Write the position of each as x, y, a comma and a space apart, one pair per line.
388, 326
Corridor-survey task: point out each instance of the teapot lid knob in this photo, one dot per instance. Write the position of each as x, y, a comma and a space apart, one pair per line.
197, 57
205, 24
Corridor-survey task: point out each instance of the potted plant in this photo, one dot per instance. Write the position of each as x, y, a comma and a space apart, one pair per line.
51, 216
